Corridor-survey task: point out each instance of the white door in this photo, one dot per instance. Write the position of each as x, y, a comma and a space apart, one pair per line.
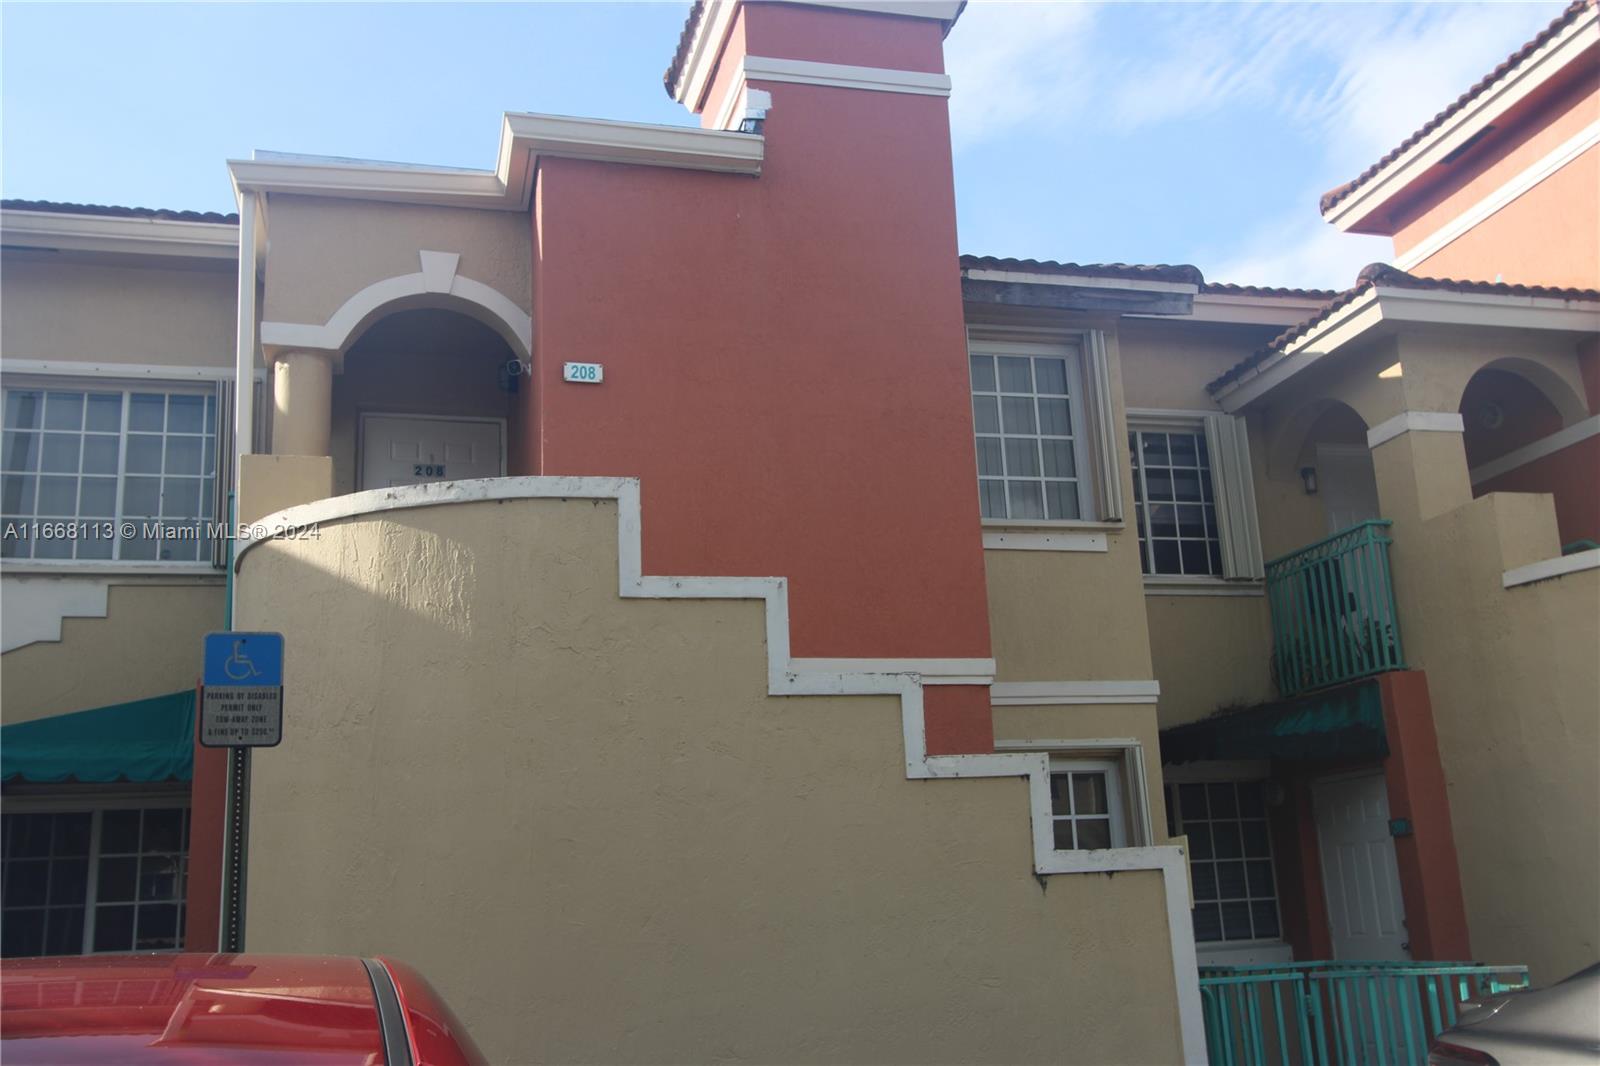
1366, 913
1348, 487
408, 450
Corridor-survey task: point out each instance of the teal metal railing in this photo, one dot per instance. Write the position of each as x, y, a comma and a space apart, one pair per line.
1333, 613
1339, 1013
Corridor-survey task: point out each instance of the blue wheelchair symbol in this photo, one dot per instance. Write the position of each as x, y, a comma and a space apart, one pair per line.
250, 659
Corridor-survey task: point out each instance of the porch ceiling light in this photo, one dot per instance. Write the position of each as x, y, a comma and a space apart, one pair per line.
1308, 478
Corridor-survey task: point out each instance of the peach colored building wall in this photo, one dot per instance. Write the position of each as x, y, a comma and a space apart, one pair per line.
1568, 475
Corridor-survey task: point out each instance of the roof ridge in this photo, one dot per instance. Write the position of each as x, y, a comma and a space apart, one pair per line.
1183, 272
1333, 196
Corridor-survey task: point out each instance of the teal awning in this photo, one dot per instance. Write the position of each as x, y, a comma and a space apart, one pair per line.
1340, 723
146, 740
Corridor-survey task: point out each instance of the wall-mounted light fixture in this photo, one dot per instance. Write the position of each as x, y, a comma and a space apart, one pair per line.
1308, 478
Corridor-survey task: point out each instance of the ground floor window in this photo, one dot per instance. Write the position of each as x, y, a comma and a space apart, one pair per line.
1230, 859
93, 879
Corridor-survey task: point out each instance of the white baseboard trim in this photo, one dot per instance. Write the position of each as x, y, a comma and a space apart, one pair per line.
1045, 542
1072, 693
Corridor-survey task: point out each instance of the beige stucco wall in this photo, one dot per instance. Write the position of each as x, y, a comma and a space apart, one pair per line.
148, 644
1210, 653
94, 312
583, 818
323, 251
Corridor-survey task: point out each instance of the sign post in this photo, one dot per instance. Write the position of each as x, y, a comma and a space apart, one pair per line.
241, 707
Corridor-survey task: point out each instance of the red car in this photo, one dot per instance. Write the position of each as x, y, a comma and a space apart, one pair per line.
254, 1010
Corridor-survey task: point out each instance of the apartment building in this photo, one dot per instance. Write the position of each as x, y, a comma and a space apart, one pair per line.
655, 679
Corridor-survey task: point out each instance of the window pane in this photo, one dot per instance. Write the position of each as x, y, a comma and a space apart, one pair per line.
1251, 803
1026, 501
186, 414
119, 832
1060, 794
118, 879
1017, 415
1054, 419
23, 934
144, 454
1164, 556
63, 410
1230, 880
1094, 833
1221, 797
71, 835
989, 462
180, 497
1236, 921
158, 877
986, 414
1225, 838
26, 881
1259, 877
1089, 793
1196, 559
183, 454
1015, 374
1163, 520
69, 880
141, 496
1207, 922
1255, 839
1191, 520
992, 498
21, 451
1205, 880
100, 454
1058, 461
58, 496
1022, 457
103, 412
1181, 446
1265, 913
147, 412
1192, 799
1061, 499
1186, 485
1154, 449
1063, 835
1050, 376
64, 931
1158, 483
17, 494
163, 829
97, 497
113, 928
60, 453
158, 927
1199, 839
982, 373
22, 408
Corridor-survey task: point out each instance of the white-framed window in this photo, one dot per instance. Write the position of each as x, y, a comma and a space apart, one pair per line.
1230, 859
1086, 809
87, 879
1031, 433
94, 470
1173, 502
1193, 498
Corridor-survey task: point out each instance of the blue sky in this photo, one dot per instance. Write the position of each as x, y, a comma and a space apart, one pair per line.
1193, 133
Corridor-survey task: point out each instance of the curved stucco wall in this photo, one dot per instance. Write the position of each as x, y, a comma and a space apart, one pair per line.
586, 821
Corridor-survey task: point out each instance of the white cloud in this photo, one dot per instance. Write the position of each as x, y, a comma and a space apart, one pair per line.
1353, 79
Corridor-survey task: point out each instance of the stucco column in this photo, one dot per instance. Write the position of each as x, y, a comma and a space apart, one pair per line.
302, 402
1420, 461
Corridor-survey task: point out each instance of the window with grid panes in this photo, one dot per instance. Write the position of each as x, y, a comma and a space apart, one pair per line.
1174, 503
79, 882
1230, 859
1028, 417
1086, 805
106, 462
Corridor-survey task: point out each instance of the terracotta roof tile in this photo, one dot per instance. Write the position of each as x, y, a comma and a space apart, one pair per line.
685, 39
1219, 288
116, 211
1180, 272
1382, 274
1333, 196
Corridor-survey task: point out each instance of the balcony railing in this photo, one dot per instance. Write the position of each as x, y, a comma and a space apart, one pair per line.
1339, 1013
1333, 616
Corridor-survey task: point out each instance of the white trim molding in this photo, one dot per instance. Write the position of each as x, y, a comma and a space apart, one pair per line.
841, 76
787, 676
1529, 178
930, 671
1546, 569
1415, 422
63, 231
437, 277
1390, 306
124, 371
1537, 69
1063, 541
1072, 693
33, 608
1177, 585
524, 139
1565, 437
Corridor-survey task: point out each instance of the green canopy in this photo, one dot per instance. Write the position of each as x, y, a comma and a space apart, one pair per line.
142, 741
1340, 723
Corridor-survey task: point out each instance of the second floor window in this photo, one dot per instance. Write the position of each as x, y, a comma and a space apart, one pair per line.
1174, 503
108, 473
1027, 410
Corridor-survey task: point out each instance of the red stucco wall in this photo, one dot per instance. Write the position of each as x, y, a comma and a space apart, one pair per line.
1572, 475
785, 356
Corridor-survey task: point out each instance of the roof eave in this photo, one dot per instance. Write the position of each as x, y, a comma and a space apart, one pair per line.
1360, 210
62, 231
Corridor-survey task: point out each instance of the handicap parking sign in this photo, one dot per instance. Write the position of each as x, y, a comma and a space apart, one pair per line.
254, 659
242, 690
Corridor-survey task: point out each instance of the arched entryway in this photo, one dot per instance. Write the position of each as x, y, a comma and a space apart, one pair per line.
1335, 465
425, 395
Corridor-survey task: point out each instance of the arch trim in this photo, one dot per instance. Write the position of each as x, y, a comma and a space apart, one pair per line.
341, 329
